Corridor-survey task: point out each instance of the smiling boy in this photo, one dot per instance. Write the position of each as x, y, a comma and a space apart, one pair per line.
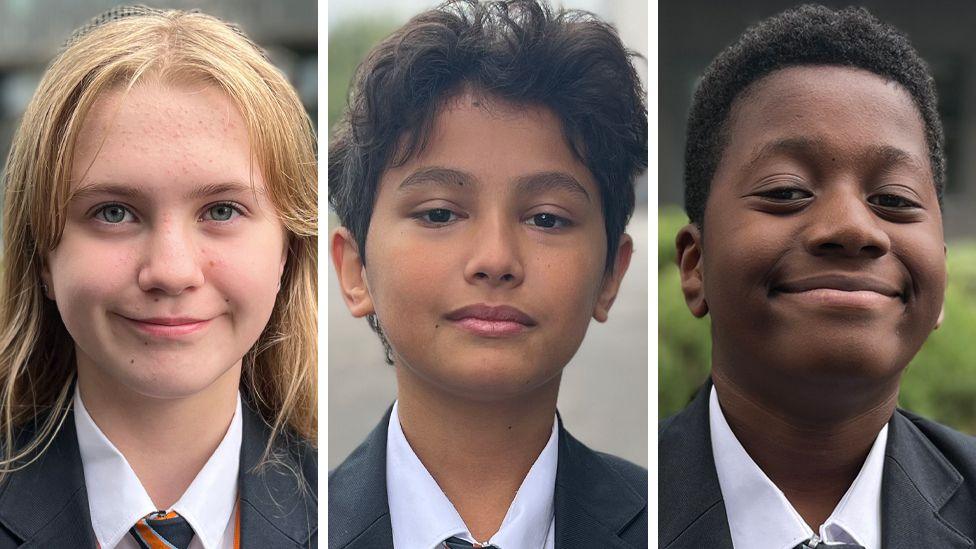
483, 177
814, 176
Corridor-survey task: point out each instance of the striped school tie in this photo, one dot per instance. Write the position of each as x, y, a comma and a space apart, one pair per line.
162, 530
458, 543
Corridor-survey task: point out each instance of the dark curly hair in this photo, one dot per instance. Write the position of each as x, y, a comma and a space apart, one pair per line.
806, 35
520, 51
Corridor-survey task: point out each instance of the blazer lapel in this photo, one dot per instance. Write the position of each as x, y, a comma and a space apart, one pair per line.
278, 501
46, 503
593, 502
916, 485
359, 513
690, 506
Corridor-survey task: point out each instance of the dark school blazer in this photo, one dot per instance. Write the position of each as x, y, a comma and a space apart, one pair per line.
928, 486
45, 505
600, 500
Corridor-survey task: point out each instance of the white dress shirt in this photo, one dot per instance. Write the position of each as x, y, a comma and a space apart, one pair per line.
760, 516
117, 499
422, 517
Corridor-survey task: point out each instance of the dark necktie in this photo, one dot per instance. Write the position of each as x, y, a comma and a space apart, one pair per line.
825, 545
458, 543
162, 530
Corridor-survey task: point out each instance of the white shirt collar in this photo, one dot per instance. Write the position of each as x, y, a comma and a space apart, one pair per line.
117, 499
423, 517
759, 514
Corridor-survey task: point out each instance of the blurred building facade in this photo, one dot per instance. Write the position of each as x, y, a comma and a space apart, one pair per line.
693, 32
32, 32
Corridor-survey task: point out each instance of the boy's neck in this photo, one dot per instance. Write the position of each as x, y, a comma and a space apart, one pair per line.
165, 441
478, 452
813, 459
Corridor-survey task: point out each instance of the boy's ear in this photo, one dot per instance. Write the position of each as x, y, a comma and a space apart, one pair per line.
689, 246
611, 281
351, 272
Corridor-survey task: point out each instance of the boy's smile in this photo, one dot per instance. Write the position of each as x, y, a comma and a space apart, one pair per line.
485, 257
821, 258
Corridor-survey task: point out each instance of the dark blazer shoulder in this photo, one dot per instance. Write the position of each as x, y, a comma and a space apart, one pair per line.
930, 473
600, 499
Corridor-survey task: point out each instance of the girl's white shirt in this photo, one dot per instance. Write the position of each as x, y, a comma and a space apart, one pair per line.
117, 500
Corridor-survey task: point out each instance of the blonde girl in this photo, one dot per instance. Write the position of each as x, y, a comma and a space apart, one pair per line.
157, 302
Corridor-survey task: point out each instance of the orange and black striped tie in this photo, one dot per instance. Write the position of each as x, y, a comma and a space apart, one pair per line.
162, 530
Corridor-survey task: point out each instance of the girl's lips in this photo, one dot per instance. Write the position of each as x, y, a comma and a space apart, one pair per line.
848, 299
491, 328
175, 327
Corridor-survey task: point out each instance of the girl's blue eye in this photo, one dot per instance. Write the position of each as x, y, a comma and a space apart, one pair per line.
221, 212
113, 213
548, 221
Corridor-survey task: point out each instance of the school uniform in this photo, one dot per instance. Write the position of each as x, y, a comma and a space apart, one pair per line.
572, 497
917, 488
49, 504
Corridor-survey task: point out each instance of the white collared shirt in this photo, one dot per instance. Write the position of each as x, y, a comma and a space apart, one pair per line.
760, 516
422, 517
117, 499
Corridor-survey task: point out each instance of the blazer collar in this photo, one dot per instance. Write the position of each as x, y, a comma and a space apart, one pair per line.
46, 503
917, 483
359, 514
593, 503
278, 501
691, 509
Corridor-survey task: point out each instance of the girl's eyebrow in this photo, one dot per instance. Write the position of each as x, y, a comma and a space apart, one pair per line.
127, 191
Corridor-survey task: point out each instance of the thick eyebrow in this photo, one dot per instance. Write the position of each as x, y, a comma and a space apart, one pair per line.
886, 156
204, 191
437, 176
537, 183
532, 183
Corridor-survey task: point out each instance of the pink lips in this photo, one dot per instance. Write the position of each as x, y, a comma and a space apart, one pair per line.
491, 321
168, 326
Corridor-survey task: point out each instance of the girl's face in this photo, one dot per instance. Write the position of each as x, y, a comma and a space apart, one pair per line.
170, 262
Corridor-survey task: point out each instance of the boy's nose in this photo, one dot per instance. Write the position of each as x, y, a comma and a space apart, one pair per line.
171, 261
495, 255
845, 224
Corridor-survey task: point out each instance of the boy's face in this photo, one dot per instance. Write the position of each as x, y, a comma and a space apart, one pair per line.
169, 265
822, 258
485, 257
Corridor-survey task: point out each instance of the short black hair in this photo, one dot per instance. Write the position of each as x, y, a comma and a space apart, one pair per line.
806, 35
520, 51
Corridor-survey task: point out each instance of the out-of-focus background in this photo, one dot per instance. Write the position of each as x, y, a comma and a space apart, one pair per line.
941, 381
603, 399
32, 32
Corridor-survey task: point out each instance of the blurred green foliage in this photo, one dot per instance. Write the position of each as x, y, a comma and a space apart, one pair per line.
940, 382
349, 42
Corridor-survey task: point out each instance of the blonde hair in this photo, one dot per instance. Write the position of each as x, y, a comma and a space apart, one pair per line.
37, 359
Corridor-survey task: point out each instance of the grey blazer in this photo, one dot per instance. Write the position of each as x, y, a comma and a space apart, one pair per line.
928, 487
45, 505
600, 500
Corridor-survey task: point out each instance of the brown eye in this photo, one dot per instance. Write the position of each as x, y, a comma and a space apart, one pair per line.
548, 221
437, 216
892, 201
786, 194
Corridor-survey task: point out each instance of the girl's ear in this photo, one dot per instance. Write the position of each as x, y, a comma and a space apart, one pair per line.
47, 285
612, 280
351, 271
689, 246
